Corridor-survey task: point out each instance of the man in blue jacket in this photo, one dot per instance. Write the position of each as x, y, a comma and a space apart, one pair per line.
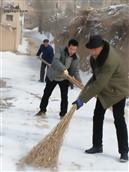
47, 54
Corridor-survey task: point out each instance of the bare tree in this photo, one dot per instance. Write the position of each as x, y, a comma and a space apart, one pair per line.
45, 10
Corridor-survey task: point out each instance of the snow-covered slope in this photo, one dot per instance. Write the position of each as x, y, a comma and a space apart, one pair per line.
21, 130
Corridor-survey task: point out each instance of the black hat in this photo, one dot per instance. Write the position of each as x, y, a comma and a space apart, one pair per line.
95, 42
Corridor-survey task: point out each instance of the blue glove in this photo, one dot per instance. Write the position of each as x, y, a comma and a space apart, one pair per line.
79, 103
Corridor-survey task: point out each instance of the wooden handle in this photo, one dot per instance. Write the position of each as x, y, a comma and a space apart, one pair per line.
70, 78
74, 81
45, 62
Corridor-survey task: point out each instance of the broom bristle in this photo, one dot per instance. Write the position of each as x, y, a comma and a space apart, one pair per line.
45, 154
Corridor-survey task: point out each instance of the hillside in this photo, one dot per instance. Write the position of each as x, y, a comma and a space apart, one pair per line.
111, 22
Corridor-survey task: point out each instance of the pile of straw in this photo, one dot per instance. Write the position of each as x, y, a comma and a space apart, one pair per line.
45, 154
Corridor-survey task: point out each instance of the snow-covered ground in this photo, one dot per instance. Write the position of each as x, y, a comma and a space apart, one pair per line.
21, 130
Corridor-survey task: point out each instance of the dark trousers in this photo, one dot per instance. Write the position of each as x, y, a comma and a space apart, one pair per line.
119, 121
42, 72
50, 85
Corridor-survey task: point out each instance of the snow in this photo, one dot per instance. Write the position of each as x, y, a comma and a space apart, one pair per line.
117, 6
38, 36
23, 47
114, 8
21, 130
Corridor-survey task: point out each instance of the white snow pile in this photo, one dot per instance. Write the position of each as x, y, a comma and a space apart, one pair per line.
23, 47
34, 34
115, 8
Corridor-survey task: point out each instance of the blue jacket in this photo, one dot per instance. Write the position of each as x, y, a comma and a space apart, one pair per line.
47, 53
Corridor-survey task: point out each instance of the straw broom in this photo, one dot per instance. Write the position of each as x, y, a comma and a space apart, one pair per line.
46, 152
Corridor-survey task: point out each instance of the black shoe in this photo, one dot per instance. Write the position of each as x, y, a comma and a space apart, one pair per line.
41, 80
124, 157
94, 150
72, 87
61, 115
40, 113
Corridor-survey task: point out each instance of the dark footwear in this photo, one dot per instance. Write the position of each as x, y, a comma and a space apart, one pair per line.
40, 80
61, 114
124, 157
40, 113
72, 87
94, 150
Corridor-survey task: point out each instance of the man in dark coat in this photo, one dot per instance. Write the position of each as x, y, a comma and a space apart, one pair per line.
110, 84
47, 54
64, 63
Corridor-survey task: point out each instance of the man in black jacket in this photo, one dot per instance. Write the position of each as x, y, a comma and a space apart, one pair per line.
47, 54
109, 84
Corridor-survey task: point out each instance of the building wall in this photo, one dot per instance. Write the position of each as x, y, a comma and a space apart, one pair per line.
10, 32
7, 39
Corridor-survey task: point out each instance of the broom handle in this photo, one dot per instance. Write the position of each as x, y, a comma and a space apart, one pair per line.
45, 62
70, 78
78, 84
74, 81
